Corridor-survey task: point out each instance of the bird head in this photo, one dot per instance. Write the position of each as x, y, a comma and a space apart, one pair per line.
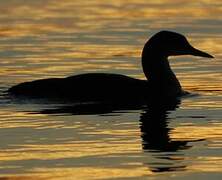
167, 43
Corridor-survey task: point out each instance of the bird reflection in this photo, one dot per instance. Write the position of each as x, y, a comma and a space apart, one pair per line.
155, 135
91, 108
155, 130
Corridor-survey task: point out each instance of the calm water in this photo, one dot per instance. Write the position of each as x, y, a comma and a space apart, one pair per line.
53, 38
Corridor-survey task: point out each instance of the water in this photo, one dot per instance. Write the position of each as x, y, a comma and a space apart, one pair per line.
41, 39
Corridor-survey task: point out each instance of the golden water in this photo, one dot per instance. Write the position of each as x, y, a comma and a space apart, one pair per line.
53, 38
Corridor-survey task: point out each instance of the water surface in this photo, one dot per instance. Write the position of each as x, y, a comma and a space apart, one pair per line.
41, 39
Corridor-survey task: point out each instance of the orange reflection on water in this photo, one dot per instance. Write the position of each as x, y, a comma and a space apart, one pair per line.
89, 173
74, 16
198, 132
46, 38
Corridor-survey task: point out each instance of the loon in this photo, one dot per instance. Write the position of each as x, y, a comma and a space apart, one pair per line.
161, 81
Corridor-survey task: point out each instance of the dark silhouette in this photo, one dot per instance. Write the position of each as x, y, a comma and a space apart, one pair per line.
101, 87
155, 133
156, 140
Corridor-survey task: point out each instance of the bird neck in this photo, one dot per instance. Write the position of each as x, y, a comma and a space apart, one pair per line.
159, 74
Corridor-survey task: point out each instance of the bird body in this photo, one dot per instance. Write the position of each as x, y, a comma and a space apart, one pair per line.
84, 87
161, 81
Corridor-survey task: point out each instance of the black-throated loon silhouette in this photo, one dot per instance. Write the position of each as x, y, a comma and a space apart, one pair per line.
161, 81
